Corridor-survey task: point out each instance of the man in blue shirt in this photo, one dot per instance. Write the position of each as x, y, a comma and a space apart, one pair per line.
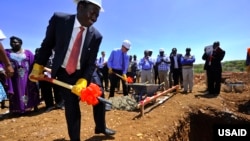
118, 64
187, 71
146, 64
163, 64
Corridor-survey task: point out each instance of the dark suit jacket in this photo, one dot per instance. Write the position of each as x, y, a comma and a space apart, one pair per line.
172, 61
58, 37
217, 57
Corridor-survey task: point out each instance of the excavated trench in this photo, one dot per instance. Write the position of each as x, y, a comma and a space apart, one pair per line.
199, 126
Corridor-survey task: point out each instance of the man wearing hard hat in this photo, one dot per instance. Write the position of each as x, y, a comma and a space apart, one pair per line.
76, 43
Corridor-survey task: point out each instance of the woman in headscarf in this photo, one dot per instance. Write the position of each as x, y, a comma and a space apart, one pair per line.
24, 94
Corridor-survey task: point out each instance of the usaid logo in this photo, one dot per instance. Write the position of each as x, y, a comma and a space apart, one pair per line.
232, 132
240, 132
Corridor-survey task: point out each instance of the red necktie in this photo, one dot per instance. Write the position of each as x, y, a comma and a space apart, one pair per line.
73, 58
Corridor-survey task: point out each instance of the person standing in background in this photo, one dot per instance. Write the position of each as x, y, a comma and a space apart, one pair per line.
118, 64
103, 68
50, 92
6, 70
248, 60
214, 68
170, 75
162, 63
138, 69
248, 63
154, 71
208, 50
76, 44
3, 87
24, 94
187, 71
131, 70
146, 64
176, 68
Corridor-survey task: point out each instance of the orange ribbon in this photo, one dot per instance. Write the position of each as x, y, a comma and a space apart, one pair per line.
130, 80
90, 94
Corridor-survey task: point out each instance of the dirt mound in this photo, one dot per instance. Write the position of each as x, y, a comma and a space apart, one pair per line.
181, 117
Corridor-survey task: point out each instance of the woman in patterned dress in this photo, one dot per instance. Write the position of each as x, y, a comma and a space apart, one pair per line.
24, 94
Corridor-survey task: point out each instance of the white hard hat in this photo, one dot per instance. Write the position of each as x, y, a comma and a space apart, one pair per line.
126, 44
96, 2
161, 50
2, 36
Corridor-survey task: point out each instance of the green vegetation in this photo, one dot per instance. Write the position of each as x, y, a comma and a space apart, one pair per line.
227, 66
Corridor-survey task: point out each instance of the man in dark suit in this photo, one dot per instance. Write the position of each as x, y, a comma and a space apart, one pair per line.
214, 68
64, 34
103, 68
176, 67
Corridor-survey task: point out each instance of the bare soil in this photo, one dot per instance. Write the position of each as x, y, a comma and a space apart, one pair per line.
181, 117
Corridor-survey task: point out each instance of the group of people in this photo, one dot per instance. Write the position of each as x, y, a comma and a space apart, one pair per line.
49, 92
22, 93
175, 69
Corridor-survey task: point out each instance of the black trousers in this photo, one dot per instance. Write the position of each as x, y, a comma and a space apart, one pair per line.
214, 81
105, 77
113, 83
177, 77
72, 107
50, 93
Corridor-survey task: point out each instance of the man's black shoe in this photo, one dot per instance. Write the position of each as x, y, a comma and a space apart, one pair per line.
60, 106
49, 109
107, 132
209, 95
184, 92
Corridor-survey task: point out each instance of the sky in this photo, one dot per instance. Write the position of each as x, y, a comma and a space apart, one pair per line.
147, 24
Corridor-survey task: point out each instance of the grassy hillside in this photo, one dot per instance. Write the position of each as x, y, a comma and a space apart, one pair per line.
227, 66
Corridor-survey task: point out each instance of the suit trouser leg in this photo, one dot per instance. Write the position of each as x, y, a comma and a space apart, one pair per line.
170, 79
106, 80
217, 85
73, 116
46, 91
124, 88
113, 83
72, 107
210, 81
57, 94
176, 77
99, 115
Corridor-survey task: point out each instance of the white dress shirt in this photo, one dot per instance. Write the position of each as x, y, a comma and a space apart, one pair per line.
75, 31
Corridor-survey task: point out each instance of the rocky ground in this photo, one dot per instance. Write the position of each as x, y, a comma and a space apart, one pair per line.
181, 117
